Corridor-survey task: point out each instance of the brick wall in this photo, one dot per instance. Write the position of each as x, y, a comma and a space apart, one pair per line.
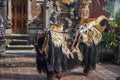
96, 9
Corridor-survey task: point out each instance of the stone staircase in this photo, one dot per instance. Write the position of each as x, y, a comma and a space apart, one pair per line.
19, 42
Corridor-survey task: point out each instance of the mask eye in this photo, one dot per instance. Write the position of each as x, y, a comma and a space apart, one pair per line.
103, 22
81, 37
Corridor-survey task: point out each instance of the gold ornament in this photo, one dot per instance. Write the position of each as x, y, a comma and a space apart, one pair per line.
64, 1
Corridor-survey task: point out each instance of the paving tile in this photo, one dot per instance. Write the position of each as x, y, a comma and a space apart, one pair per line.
22, 67
16, 74
6, 73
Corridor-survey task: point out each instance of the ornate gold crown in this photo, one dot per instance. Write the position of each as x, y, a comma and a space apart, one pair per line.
56, 27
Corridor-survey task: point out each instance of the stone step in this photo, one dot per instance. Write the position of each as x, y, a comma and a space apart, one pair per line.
21, 52
18, 36
20, 47
19, 42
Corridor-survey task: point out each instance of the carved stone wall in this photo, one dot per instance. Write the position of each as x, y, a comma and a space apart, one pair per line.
36, 8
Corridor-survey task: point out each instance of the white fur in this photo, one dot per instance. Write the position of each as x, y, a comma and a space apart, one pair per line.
57, 38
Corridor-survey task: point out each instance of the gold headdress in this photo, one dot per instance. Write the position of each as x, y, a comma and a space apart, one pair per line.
56, 27
99, 25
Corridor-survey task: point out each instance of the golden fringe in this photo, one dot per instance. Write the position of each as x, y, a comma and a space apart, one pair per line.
77, 50
67, 52
97, 36
57, 38
94, 35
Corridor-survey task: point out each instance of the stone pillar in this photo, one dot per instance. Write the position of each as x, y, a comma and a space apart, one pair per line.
5, 8
29, 10
44, 13
47, 16
47, 13
9, 10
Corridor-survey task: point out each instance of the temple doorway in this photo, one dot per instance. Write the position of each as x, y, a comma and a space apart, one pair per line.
19, 16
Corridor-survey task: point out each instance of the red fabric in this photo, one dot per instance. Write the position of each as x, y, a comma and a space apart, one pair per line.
40, 35
75, 42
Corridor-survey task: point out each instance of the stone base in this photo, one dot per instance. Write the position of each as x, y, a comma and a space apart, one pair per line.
2, 47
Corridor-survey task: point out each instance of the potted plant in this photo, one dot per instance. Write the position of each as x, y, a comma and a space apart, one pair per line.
108, 46
117, 32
